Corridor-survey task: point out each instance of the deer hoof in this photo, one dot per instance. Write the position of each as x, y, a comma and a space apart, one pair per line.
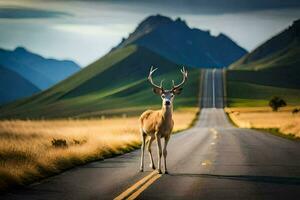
166, 172
141, 170
159, 171
152, 166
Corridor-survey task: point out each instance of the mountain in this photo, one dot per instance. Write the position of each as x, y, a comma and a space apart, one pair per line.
282, 50
174, 40
41, 72
115, 84
13, 86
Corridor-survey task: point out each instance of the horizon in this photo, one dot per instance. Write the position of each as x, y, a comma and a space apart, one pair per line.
77, 31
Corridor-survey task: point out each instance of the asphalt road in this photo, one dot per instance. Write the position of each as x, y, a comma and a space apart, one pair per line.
213, 160
212, 92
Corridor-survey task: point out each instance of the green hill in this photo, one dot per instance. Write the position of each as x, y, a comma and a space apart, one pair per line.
272, 69
283, 58
281, 50
113, 85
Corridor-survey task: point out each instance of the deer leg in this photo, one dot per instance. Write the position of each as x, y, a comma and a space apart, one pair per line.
150, 152
159, 153
165, 153
142, 149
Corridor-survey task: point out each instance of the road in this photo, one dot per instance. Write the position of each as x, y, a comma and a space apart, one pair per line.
212, 160
212, 96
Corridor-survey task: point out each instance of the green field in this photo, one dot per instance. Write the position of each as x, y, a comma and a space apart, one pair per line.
116, 84
256, 88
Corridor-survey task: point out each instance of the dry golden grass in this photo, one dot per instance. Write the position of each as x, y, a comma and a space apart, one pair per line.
263, 117
27, 154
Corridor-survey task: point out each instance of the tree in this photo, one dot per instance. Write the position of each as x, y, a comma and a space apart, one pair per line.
276, 102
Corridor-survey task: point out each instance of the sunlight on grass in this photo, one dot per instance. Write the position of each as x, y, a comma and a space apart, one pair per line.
30, 150
263, 118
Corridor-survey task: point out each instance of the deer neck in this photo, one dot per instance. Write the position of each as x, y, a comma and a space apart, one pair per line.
167, 112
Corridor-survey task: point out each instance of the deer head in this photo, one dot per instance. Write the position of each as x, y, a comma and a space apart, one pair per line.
167, 96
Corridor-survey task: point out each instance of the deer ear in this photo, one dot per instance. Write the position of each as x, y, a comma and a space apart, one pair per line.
177, 91
157, 90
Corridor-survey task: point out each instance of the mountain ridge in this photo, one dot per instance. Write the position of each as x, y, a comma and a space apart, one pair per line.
174, 40
42, 72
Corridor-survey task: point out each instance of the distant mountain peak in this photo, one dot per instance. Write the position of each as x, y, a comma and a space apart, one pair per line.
41, 72
20, 49
221, 35
156, 19
296, 28
296, 22
180, 21
175, 40
153, 22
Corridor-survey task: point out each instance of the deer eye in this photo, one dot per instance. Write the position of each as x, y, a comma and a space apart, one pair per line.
163, 96
172, 95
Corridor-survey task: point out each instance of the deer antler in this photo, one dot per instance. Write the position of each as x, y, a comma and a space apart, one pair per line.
185, 75
151, 80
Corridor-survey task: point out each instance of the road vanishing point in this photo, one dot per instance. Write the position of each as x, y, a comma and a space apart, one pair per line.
212, 160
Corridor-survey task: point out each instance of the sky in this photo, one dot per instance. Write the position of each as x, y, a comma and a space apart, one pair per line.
85, 30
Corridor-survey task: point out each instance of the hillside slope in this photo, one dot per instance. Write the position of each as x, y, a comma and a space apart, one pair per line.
113, 85
272, 69
282, 50
13, 86
174, 40
40, 71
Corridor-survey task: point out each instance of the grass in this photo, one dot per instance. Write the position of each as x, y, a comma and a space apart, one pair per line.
248, 94
275, 131
256, 88
34, 149
282, 122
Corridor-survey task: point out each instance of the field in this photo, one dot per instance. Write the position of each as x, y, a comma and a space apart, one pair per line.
263, 118
27, 153
247, 88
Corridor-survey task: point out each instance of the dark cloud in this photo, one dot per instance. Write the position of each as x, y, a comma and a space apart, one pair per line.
208, 6
21, 13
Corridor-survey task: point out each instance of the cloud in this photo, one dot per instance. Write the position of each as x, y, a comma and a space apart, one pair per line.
27, 13
93, 30
204, 6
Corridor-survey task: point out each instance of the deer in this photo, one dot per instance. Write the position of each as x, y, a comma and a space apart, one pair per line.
157, 124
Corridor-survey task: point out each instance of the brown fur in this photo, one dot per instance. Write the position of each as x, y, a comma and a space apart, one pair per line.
156, 124
155, 121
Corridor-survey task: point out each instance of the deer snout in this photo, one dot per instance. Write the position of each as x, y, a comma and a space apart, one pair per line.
168, 102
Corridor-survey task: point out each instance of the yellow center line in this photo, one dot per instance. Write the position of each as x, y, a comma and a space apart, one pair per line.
144, 187
139, 186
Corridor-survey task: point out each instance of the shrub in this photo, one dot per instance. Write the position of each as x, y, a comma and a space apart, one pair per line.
276, 102
79, 142
295, 111
62, 143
